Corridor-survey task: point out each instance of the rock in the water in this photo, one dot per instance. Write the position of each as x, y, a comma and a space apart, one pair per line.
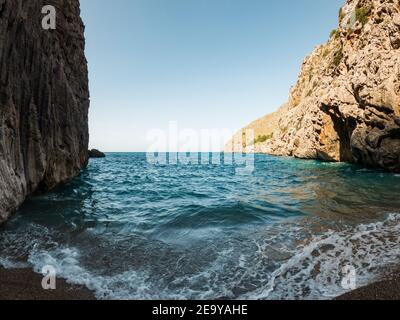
44, 99
346, 103
94, 153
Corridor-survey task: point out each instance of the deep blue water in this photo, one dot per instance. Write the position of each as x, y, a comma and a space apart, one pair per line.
130, 229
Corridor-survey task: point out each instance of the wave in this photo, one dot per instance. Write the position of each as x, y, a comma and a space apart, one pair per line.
267, 267
316, 270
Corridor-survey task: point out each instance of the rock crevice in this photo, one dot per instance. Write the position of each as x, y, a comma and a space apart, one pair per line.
345, 105
44, 99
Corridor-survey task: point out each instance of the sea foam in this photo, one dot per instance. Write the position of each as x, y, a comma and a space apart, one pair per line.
313, 271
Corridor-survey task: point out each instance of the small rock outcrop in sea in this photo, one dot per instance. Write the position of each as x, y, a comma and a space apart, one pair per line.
44, 99
345, 105
94, 153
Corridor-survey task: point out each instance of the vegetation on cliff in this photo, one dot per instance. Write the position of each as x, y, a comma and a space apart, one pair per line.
345, 105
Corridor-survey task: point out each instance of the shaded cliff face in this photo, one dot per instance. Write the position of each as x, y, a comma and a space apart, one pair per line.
345, 105
44, 99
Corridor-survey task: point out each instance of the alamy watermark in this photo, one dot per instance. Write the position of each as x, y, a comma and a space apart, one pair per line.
349, 278
49, 278
49, 21
176, 146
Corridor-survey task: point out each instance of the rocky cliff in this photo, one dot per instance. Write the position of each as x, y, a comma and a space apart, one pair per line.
44, 99
345, 105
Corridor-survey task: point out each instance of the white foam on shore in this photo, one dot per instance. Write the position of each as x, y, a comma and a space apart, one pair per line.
7, 263
311, 271
315, 271
131, 284
128, 285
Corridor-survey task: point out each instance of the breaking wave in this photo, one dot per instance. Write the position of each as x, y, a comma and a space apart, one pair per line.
286, 231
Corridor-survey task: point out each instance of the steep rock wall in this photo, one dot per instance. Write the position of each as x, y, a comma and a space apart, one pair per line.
44, 99
345, 105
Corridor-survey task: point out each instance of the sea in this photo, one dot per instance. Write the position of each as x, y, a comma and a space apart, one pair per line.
284, 228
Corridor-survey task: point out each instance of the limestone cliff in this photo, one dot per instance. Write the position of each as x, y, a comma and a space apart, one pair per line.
345, 105
44, 99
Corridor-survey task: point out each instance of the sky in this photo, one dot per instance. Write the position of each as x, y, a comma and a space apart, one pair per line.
175, 65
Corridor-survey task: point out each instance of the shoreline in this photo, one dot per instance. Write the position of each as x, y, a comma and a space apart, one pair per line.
25, 284
386, 288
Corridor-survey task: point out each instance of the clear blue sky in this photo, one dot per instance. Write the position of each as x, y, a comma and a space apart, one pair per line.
204, 63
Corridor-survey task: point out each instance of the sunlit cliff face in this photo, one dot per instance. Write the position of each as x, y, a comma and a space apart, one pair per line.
345, 104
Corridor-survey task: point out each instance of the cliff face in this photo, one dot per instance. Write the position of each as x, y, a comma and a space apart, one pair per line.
44, 99
345, 105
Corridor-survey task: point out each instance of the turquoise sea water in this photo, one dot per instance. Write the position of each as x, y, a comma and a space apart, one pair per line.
130, 229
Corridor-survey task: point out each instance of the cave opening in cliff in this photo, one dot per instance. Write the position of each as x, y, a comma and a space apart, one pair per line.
344, 129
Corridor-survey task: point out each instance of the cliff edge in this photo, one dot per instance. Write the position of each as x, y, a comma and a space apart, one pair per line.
44, 99
345, 105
